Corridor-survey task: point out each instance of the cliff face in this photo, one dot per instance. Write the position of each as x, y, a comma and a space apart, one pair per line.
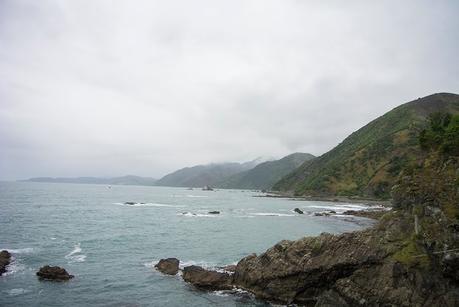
395, 263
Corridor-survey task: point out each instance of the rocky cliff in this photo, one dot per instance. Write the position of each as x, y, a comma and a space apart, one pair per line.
411, 258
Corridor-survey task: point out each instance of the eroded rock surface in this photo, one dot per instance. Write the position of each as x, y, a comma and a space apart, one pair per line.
206, 279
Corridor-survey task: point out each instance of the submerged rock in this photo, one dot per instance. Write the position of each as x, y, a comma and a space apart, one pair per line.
298, 210
214, 212
325, 213
168, 266
54, 273
205, 279
130, 203
5, 259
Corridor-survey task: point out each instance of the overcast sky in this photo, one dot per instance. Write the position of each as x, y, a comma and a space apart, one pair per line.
107, 88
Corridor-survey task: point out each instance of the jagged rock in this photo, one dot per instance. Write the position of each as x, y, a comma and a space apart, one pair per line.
298, 210
54, 273
214, 212
168, 266
298, 271
205, 279
5, 259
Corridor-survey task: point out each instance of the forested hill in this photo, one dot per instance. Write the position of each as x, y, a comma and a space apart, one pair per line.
367, 162
266, 174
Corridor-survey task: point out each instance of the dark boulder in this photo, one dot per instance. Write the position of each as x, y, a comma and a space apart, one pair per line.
214, 212
5, 259
168, 266
131, 203
298, 210
53, 273
205, 279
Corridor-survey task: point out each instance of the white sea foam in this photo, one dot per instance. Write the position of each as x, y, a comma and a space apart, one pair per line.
222, 293
14, 267
75, 255
17, 291
190, 214
27, 250
345, 207
272, 214
196, 196
148, 205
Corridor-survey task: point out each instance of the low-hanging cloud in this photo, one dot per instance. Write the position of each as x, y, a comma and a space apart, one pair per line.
108, 88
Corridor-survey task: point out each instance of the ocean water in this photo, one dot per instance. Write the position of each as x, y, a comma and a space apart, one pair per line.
111, 247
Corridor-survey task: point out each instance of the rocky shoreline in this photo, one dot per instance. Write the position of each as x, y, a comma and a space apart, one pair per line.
410, 257
336, 199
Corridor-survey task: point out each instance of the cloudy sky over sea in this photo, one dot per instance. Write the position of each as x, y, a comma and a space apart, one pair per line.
107, 88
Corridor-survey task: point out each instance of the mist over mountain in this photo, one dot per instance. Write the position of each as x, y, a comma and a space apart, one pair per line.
266, 174
123, 180
209, 174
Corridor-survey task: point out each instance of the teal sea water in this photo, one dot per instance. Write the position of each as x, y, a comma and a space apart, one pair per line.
111, 247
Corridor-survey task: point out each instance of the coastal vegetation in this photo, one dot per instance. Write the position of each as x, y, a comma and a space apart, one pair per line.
266, 174
369, 161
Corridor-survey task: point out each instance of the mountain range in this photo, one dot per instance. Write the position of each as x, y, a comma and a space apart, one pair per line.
266, 174
123, 180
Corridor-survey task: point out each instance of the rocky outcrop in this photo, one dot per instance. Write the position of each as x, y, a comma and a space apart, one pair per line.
409, 258
299, 271
205, 279
53, 273
5, 260
168, 266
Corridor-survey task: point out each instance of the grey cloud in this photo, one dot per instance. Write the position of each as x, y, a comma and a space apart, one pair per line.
145, 87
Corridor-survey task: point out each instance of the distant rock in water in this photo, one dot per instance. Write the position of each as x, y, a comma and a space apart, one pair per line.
54, 273
214, 212
5, 259
130, 203
168, 266
298, 210
207, 188
205, 279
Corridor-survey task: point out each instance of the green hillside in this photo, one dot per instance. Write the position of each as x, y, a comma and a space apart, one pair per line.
202, 175
367, 163
266, 174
